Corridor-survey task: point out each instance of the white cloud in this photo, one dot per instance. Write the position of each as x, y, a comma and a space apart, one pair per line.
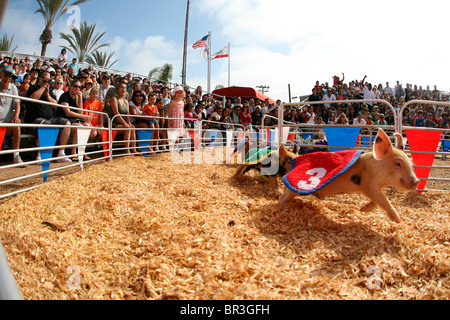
148, 53
299, 42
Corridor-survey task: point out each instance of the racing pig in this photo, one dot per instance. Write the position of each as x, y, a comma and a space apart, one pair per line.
268, 162
354, 172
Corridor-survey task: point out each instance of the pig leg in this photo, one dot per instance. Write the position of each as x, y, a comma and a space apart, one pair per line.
239, 170
378, 197
369, 207
287, 196
274, 182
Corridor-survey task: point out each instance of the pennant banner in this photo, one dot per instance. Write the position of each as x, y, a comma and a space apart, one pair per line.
2, 136
144, 137
212, 136
367, 141
105, 140
285, 135
291, 137
83, 138
173, 135
445, 147
196, 139
342, 137
272, 136
229, 139
47, 138
307, 135
427, 141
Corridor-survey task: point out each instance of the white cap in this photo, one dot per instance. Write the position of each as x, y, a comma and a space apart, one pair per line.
51, 70
178, 88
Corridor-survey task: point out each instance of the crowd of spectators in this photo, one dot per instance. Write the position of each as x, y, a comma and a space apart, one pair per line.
136, 102
419, 114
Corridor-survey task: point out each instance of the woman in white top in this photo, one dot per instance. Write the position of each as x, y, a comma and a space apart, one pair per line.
62, 59
58, 89
310, 116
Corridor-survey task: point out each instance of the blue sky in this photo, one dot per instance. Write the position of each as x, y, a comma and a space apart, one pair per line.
273, 43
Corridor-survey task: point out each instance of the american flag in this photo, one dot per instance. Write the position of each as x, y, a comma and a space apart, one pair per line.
201, 43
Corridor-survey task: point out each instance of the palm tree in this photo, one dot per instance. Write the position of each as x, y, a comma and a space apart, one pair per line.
101, 59
6, 44
51, 11
163, 74
83, 41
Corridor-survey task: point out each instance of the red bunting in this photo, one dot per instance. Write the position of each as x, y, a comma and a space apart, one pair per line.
194, 136
427, 141
105, 139
2, 136
291, 137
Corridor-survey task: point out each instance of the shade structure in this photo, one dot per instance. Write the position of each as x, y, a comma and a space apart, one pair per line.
242, 92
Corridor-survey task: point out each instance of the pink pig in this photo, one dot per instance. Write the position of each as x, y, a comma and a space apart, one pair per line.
384, 166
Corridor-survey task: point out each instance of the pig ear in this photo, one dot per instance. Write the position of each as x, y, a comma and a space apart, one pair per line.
399, 141
382, 145
282, 151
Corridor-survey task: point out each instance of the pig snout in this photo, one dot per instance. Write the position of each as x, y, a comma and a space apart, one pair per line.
411, 183
414, 183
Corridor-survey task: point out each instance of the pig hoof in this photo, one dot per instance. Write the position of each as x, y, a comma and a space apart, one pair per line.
394, 217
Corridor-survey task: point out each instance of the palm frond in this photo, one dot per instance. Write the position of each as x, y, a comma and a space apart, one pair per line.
101, 59
84, 40
6, 44
51, 11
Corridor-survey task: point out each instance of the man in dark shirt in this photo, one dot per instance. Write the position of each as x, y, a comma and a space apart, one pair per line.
257, 116
314, 96
72, 102
40, 113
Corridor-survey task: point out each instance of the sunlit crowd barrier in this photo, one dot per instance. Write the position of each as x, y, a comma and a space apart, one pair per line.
424, 144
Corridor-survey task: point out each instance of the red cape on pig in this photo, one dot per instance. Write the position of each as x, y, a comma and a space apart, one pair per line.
384, 166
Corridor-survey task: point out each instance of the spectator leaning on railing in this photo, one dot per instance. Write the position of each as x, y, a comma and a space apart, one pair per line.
40, 113
10, 109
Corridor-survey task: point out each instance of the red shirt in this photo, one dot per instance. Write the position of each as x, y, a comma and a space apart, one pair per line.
245, 119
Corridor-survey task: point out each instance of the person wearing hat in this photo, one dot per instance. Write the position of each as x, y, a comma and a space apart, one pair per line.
176, 109
87, 90
429, 123
10, 109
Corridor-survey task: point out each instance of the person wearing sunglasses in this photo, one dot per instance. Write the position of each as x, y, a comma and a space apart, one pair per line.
10, 110
58, 88
72, 109
39, 113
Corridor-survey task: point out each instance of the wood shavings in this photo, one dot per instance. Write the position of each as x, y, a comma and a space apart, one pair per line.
151, 229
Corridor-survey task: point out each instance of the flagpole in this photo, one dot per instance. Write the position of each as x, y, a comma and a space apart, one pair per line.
229, 65
209, 62
183, 75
